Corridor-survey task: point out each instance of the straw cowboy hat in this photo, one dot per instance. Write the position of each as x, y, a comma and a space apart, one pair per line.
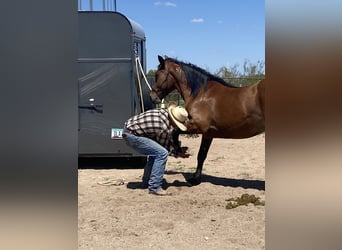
179, 116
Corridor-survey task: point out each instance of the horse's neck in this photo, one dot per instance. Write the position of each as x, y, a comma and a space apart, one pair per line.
184, 90
181, 84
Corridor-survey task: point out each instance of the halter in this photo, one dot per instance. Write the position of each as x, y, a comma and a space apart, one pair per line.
163, 90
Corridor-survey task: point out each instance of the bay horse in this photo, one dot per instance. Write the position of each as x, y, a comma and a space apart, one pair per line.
216, 108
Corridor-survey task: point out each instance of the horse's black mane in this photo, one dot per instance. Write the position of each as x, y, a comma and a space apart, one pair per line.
198, 77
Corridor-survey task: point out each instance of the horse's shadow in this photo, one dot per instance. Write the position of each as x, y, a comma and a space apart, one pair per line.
226, 182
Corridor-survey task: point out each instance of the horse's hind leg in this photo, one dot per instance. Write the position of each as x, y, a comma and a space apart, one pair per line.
202, 155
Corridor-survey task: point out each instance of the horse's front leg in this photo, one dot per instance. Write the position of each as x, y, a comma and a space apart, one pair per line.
202, 155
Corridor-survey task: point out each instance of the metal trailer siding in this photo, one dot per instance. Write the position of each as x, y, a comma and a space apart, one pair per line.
108, 94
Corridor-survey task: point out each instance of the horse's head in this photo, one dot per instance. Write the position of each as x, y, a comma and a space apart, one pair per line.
165, 81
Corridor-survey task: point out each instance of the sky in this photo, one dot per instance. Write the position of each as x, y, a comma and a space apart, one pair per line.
209, 34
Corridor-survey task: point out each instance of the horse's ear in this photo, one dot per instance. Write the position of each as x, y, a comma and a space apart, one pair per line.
161, 61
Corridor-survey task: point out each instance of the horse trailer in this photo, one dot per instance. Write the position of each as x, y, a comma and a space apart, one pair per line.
109, 47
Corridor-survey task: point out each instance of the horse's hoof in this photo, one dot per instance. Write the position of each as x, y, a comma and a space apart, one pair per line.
194, 181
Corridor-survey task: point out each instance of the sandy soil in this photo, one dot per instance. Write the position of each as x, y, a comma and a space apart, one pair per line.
120, 216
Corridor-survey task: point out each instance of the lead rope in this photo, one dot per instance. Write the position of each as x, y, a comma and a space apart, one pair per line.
139, 83
142, 72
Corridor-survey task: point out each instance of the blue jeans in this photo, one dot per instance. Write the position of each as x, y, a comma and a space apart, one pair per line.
156, 159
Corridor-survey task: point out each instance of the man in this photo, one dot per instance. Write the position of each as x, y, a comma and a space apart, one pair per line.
150, 133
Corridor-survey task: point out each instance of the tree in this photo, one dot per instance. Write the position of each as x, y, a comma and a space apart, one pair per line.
151, 73
231, 72
252, 72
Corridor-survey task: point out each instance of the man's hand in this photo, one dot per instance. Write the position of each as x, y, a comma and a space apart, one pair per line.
180, 152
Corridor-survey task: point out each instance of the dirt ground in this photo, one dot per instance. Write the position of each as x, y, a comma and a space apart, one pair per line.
114, 214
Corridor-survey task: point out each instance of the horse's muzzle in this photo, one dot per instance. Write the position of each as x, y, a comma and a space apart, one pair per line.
155, 99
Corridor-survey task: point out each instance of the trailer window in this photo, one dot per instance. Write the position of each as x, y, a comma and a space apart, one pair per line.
138, 49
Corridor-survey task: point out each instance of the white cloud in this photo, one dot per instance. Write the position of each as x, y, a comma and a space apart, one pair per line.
170, 4
166, 4
197, 20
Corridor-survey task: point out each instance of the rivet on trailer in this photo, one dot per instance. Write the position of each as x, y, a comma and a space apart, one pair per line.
111, 83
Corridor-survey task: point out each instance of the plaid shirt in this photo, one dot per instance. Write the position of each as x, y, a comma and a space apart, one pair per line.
154, 124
